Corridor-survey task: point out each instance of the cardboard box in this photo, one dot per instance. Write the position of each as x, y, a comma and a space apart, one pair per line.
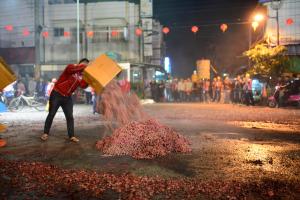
7, 76
100, 72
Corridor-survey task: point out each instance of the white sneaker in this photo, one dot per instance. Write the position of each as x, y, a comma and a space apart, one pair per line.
74, 139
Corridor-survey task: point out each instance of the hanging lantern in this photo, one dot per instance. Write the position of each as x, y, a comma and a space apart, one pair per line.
45, 34
289, 21
67, 34
26, 32
166, 30
114, 33
90, 34
138, 31
255, 25
223, 27
195, 29
9, 27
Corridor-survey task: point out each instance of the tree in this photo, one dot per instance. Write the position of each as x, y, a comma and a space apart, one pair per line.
270, 61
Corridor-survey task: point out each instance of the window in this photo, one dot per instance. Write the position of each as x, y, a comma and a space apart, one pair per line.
100, 35
69, 1
55, 2
74, 36
58, 32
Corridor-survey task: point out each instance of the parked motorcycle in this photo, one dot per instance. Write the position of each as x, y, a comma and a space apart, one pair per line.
292, 100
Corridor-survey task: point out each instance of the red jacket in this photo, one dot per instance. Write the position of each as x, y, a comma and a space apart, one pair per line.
70, 79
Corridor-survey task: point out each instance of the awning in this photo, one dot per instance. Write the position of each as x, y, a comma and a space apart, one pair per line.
20, 55
148, 66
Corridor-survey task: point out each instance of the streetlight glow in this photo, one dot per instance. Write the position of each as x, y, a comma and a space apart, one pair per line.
259, 17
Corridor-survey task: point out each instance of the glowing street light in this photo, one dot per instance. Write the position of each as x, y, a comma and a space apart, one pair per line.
258, 17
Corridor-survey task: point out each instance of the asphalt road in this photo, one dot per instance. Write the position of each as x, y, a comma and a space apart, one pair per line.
229, 142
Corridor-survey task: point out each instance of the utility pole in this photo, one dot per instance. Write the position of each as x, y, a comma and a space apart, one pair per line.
85, 28
37, 65
277, 25
78, 32
276, 5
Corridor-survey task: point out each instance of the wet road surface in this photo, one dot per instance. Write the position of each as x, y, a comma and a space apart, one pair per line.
229, 142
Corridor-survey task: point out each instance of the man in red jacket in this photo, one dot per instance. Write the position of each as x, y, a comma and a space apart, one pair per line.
61, 95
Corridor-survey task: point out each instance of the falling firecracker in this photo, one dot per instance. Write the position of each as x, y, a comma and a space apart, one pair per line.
223, 27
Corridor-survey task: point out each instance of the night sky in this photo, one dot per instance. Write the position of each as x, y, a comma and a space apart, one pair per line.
224, 49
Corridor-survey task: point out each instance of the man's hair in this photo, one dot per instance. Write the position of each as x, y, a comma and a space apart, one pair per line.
83, 60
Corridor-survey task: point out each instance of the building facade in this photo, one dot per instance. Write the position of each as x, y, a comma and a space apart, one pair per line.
288, 23
47, 31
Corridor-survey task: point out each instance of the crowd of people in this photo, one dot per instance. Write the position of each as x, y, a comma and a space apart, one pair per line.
218, 90
224, 90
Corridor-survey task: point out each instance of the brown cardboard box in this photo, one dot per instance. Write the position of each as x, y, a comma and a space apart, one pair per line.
7, 76
100, 72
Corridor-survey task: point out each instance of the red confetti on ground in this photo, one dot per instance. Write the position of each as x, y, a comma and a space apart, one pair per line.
35, 180
144, 140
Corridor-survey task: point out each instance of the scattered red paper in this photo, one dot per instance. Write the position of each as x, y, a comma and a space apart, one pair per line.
35, 180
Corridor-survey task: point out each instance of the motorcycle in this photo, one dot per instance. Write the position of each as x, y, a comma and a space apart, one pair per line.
3, 99
292, 100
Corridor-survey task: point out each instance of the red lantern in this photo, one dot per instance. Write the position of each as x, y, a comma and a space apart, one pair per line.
9, 27
114, 33
166, 30
289, 21
195, 29
90, 34
224, 27
138, 31
67, 34
45, 34
26, 32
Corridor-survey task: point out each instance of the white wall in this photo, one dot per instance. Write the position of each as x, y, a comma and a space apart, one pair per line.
99, 16
289, 34
20, 14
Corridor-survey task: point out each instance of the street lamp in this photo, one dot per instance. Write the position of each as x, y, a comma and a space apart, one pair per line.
255, 20
258, 17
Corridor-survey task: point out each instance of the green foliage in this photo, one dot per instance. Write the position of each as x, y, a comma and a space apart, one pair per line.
270, 61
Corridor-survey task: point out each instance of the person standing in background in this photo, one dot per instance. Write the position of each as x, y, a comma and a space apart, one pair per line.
227, 90
188, 89
20, 88
88, 95
206, 86
31, 86
213, 89
181, 88
218, 89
